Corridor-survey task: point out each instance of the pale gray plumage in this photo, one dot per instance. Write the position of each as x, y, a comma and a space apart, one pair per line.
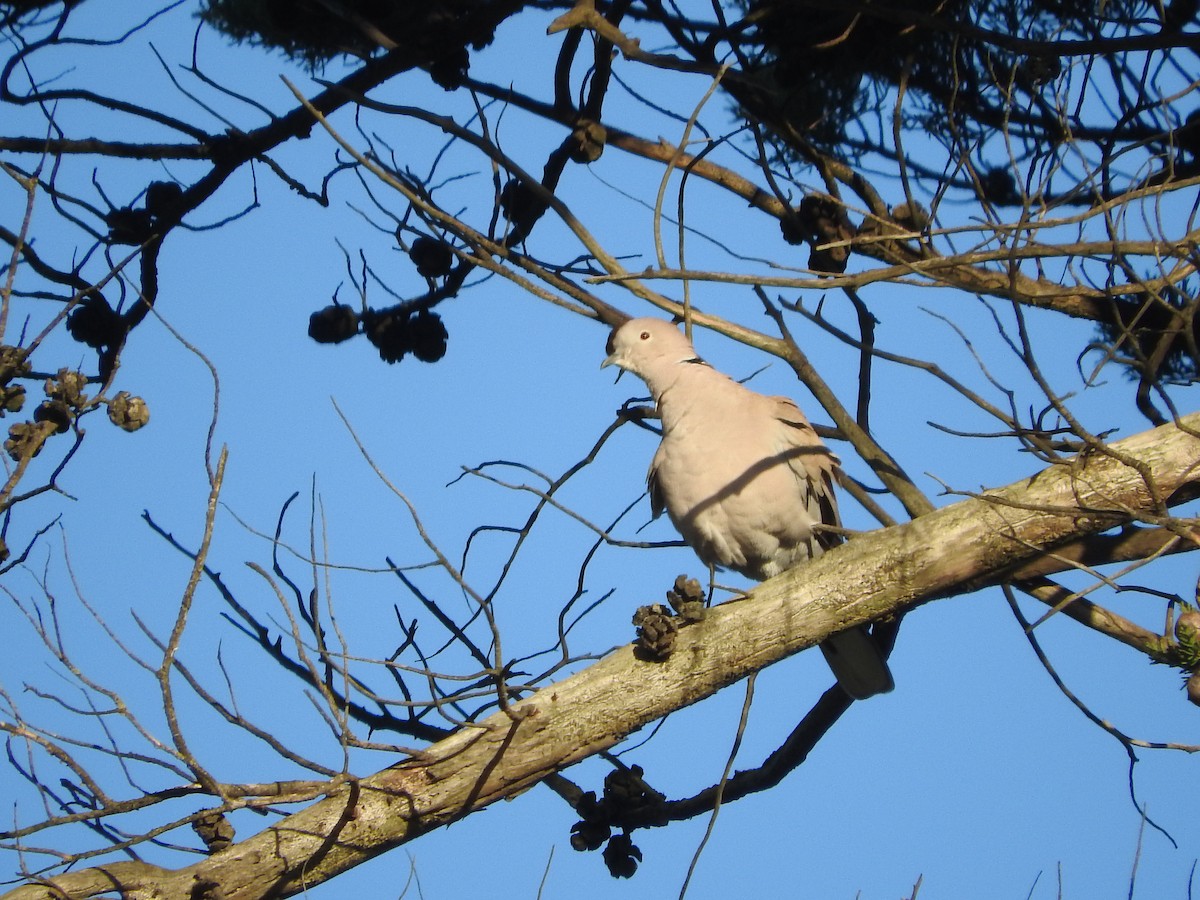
744, 477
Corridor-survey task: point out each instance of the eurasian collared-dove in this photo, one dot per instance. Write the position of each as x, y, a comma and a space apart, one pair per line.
744, 477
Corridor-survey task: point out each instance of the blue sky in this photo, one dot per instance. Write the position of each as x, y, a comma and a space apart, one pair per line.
976, 775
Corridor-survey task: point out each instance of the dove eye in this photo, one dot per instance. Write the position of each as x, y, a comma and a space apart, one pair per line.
645, 335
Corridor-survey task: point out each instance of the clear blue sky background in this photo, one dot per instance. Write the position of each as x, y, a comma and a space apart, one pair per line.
976, 774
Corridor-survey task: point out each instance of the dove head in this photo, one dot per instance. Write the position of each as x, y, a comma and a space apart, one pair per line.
652, 349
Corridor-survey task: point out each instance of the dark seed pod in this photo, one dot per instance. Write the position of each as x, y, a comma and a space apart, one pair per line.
333, 324
25, 439
214, 829
821, 220
450, 71
622, 856
687, 599
56, 413
656, 632
831, 260
13, 363
792, 229
819, 217
93, 322
520, 205
389, 334
12, 398
431, 257
67, 386
589, 835
587, 141
428, 336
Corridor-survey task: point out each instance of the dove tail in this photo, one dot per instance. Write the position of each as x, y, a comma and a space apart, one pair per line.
855, 659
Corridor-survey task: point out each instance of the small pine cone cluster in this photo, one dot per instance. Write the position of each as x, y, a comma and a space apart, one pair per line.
656, 632
128, 412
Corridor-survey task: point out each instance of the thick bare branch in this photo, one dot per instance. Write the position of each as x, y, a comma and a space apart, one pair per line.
884, 573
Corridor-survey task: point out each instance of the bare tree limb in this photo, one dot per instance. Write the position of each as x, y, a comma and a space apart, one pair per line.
884, 573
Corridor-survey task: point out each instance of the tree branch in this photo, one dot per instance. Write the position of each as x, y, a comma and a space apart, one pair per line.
961, 547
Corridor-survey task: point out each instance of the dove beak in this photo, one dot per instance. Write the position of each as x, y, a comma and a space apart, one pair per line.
613, 360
